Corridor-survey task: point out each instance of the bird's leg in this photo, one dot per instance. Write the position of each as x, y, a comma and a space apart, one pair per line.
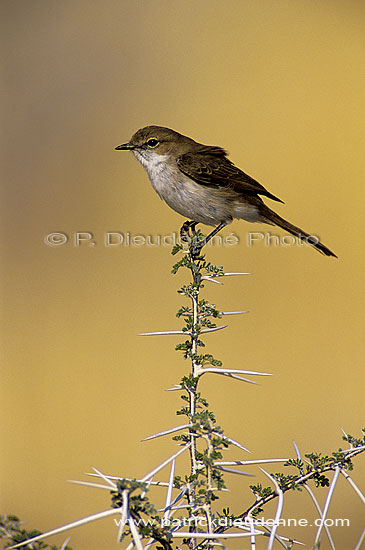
214, 232
195, 247
185, 230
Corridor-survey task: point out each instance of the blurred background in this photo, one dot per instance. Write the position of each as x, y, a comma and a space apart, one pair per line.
280, 86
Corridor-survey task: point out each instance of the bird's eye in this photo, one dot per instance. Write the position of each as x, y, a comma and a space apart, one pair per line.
152, 143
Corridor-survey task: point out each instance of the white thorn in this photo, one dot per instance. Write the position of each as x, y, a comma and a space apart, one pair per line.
232, 471
123, 515
279, 509
327, 504
89, 484
169, 491
165, 463
248, 462
105, 478
232, 441
206, 278
233, 371
77, 523
353, 485
135, 534
184, 535
318, 508
234, 273
63, 547
352, 449
236, 377
233, 312
157, 483
163, 333
361, 540
214, 329
297, 450
165, 432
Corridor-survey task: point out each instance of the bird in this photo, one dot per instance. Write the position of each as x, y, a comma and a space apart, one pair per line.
201, 183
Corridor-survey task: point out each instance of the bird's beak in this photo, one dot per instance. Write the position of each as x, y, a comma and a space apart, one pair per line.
125, 147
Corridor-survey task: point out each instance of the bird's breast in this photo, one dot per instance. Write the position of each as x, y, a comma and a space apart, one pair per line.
188, 198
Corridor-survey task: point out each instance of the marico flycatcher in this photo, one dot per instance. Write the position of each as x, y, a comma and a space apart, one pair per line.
200, 183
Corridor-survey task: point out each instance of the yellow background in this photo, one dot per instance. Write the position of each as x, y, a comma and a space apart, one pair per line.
280, 85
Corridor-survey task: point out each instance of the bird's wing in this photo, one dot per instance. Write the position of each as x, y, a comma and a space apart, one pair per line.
209, 166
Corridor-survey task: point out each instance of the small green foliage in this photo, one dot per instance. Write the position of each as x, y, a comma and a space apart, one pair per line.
184, 311
207, 323
296, 462
176, 248
183, 411
202, 400
185, 346
343, 460
286, 481
178, 482
353, 441
260, 491
211, 269
317, 460
207, 309
226, 513
182, 437
126, 485
207, 359
180, 263
191, 290
321, 480
189, 382
12, 533
256, 511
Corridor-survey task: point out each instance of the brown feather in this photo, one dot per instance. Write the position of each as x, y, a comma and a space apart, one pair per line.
209, 166
274, 218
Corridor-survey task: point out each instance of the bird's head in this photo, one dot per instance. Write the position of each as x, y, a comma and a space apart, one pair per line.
152, 142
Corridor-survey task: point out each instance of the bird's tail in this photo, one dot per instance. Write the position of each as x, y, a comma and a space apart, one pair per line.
273, 218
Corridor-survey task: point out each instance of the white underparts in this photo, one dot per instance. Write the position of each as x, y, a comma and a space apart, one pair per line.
192, 200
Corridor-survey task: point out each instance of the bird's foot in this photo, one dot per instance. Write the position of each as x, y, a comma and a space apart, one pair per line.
195, 239
186, 231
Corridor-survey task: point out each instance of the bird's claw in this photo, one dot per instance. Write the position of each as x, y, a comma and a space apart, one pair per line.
188, 235
185, 232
